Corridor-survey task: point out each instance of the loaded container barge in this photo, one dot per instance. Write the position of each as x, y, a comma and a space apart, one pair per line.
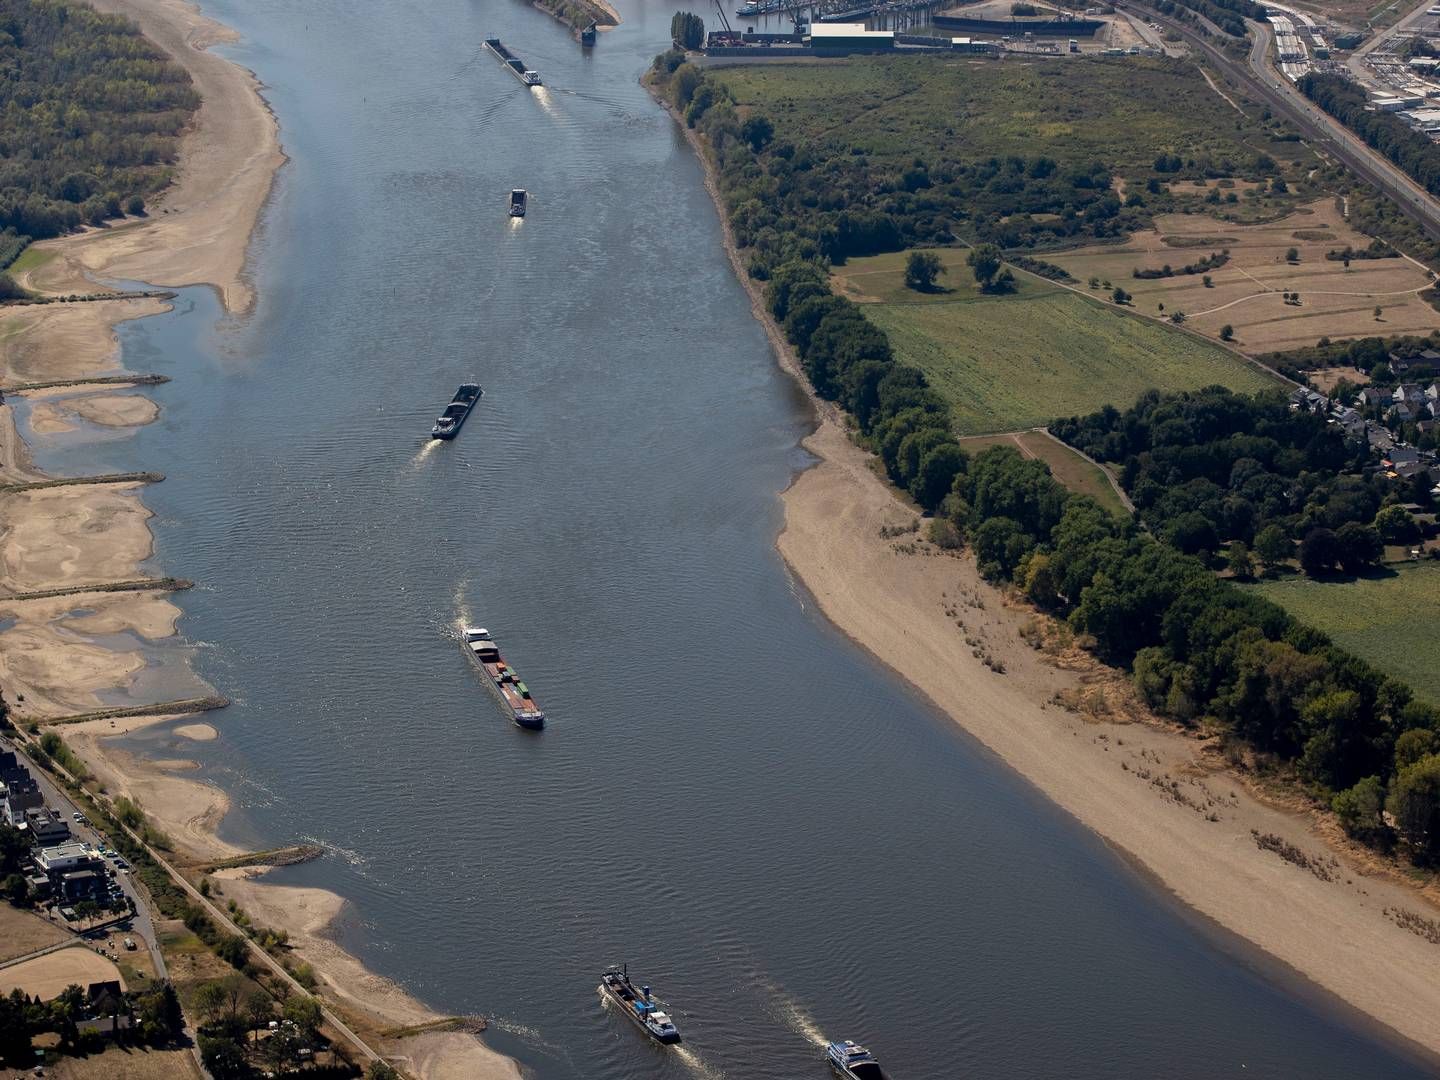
515, 65
515, 695
643, 1010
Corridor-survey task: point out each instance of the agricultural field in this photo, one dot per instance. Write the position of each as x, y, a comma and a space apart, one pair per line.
1388, 619
1072, 470
1247, 292
1012, 362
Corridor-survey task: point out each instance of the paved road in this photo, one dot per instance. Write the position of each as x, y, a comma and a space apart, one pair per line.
1260, 79
142, 926
1356, 61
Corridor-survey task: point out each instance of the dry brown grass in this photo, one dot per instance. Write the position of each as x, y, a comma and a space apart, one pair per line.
23, 932
127, 1063
50, 974
1325, 379
1247, 291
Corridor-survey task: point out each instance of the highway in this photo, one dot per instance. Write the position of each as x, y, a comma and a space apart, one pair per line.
1262, 81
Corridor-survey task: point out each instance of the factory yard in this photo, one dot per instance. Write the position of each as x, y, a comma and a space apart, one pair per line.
1248, 291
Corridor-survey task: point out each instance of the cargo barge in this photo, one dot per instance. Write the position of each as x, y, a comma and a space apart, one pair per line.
513, 63
447, 426
636, 1002
501, 677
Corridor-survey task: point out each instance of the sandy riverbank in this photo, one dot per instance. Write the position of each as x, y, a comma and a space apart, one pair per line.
1074, 730
197, 233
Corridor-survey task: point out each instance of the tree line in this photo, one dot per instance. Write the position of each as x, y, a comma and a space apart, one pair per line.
90, 121
1409, 149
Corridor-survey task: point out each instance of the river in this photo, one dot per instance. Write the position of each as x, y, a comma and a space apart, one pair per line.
730, 796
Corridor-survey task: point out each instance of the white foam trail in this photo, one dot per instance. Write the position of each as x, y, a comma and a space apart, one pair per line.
424, 452
462, 609
695, 1065
798, 1020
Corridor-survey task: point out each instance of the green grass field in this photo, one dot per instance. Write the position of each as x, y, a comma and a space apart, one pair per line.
1387, 620
882, 278
32, 258
1122, 111
1072, 470
1017, 362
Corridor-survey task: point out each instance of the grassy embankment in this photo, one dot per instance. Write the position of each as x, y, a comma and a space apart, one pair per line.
1072, 470
1387, 619
1020, 360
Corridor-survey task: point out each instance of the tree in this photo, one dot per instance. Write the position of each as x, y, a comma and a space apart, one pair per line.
1241, 564
1207, 282
1396, 525
380, 1070
224, 1058
17, 890
259, 1008
758, 131
304, 1012
1358, 547
135, 206
687, 30
1227, 332
985, 262
1378, 312
1358, 808
209, 1002
1414, 801
1120, 296
1292, 255
1319, 552
936, 474
1413, 745
922, 269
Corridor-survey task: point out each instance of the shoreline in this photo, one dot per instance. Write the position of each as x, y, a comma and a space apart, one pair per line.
1075, 731
198, 232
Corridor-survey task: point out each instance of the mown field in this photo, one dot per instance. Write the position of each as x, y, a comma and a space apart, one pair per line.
1018, 362
1122, 111
1072, 470
1388, 620
1247, 292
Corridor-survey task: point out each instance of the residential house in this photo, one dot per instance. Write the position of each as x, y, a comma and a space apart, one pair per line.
46, 827
1371, 397
1410, 394
1402, 413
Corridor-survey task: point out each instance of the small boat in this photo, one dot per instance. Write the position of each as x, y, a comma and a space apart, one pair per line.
749, 11
643, 1010
851, 1060
519, 197
513, 63
588, 35
448, 424
501, 677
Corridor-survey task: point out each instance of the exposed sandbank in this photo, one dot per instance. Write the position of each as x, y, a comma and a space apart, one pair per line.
1156, 794
197, 233
308, 915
